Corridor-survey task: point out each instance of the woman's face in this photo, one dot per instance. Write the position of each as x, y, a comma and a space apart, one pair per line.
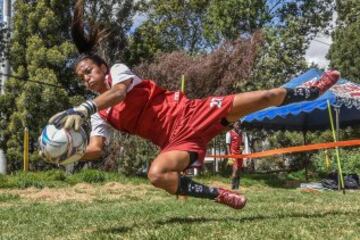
92, 75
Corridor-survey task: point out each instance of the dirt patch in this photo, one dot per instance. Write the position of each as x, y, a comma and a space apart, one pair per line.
58, 195
83, 186
85, 192
115, 188
82, 192
50, 194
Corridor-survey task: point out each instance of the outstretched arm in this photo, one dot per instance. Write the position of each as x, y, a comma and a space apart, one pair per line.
112, 96
74, 117
95, 148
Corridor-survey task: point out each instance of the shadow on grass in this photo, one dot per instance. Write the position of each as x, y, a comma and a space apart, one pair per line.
190, 220
115, 230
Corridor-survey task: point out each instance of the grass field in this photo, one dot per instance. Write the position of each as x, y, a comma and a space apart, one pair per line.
132, 209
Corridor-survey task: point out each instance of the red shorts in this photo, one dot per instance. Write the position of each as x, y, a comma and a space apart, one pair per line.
197, 123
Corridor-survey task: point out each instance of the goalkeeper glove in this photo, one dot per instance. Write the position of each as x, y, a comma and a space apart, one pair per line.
74, 117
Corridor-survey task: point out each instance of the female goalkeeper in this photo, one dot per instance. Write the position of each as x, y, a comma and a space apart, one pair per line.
181, 127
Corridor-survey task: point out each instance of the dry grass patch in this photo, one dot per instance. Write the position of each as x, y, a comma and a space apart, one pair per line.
82, 192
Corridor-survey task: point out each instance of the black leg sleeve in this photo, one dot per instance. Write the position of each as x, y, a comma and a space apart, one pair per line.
300, 94
188, 187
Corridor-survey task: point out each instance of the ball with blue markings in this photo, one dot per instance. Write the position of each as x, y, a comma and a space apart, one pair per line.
61, 146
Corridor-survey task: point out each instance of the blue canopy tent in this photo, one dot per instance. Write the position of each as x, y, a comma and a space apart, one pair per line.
344, 97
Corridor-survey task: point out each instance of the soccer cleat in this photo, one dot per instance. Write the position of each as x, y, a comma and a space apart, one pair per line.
311, 90
230, 198
326, 81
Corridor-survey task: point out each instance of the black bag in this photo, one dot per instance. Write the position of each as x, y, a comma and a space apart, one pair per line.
329, 184
351, 181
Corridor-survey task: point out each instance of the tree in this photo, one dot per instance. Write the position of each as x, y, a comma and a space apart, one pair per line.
4, 38
116, 16
287, 26
39, 51
201, 25
171, 25
344, 53
206, 74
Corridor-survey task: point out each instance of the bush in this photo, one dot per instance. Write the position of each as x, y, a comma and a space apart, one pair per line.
52, 178
3, 181
55, 175
350, 161
58, 178
133, 153
87, 175
27, 179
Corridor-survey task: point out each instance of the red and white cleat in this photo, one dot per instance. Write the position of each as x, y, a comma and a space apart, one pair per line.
326, 81
230, 198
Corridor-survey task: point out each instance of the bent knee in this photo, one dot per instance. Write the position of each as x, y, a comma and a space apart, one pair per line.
156, 178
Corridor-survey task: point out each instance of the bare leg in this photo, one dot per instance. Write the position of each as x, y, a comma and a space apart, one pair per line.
164, 174
249, 102
165, 169
246, 103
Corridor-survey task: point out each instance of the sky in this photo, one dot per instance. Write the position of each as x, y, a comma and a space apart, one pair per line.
319, 47
316, 53
1, 10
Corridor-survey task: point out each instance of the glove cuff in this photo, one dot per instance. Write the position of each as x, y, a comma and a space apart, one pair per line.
90, 107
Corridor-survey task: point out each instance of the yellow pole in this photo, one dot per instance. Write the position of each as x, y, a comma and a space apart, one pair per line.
341, 178
26, 149
327, 160
183, 83
182, 173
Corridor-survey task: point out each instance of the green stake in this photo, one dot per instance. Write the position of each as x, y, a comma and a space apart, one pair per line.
336, 149
183, 83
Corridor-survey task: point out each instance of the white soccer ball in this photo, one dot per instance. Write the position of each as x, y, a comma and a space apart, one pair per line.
62, 146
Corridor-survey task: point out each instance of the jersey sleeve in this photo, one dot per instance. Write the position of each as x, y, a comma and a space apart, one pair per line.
120, 73
99, 127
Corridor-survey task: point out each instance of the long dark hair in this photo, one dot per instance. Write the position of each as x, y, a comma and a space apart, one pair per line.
86, 43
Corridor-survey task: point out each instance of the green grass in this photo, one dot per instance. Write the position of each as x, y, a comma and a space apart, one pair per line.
133, 209
58, 178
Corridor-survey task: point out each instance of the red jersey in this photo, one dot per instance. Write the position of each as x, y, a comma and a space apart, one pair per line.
169, 119
235, 142
143, 112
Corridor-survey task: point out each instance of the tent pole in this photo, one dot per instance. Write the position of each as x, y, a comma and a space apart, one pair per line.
340, 174
337, 125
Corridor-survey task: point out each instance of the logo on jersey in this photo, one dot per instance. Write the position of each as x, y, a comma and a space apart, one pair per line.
177, 96
216, 102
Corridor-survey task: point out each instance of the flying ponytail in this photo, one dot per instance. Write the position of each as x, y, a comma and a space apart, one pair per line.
86, 43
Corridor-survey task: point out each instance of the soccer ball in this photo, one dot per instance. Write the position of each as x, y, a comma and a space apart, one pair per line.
62, 146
